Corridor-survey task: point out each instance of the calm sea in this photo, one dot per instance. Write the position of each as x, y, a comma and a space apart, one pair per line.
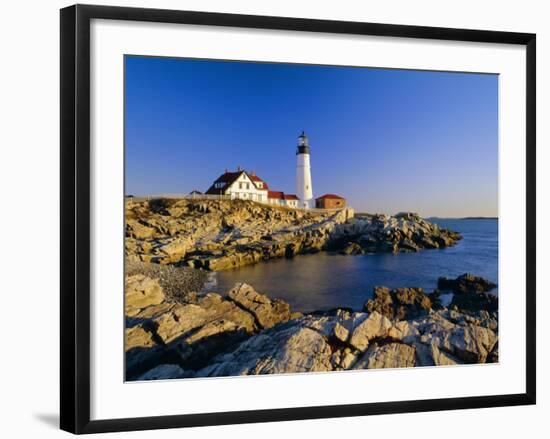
325, 280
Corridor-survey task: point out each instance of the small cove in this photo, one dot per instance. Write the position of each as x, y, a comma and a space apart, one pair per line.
328, 280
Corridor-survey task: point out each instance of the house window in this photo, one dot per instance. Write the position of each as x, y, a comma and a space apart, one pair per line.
240, 185
248, 185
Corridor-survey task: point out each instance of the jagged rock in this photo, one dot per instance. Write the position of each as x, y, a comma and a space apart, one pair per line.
352, 249
148, 313
475, 301
223, 234
164, 372
187, 334
465, 283
374, 326
248, 333
382, 302
406, 245
136, 230
267, 312
138, 337
340, 332
184, 318
347, 358
410, 216
390, 355
141, 292
288, 347
404, 232
403, 331
471, 343
429, 354
466, 341
400, 303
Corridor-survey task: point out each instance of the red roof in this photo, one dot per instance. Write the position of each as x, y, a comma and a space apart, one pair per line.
257, 179
332, 196
279, 195
276, 194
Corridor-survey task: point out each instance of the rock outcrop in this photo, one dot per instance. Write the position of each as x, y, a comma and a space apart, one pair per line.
266, 312
470, 292
465, 283
141, 292
245, 332
400, 303
404, 232
223, 234
389, 355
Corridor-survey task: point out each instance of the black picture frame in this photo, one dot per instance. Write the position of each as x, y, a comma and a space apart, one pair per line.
75, 217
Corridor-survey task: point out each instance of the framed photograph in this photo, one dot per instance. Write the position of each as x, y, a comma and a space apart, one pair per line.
259, 214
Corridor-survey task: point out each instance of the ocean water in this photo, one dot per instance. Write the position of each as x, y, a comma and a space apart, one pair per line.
327, 280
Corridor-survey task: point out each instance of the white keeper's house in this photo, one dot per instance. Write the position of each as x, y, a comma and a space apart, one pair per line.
244, 185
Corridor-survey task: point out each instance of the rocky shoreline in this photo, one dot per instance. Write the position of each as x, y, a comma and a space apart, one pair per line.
404, 232
221, 234
246, 333
174, 332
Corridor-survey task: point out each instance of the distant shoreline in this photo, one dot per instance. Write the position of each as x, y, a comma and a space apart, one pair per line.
466, 218
359, 214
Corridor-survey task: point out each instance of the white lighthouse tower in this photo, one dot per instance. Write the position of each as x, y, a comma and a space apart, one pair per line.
304, 190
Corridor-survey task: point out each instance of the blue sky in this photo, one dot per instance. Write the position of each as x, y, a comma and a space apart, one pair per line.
387, 140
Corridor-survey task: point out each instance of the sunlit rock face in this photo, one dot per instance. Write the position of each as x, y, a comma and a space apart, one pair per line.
222, 234
247, 333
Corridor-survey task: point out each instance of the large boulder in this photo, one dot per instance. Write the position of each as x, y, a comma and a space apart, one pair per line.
211, 308
429, 354
403, 331
470, 343
389, 355
374, 326
289, 347
400, 303
138, 337
465, 283
462, 341
267, 312
141, 292
185, 333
